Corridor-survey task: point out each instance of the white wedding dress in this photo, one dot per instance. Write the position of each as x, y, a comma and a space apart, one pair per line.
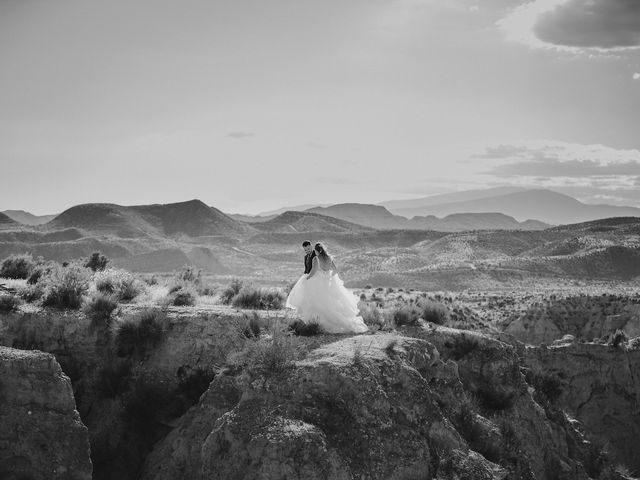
324, 299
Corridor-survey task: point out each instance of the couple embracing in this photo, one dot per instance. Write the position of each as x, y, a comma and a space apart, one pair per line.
320, 295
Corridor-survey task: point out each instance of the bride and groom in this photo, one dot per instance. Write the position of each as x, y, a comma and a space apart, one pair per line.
320, 295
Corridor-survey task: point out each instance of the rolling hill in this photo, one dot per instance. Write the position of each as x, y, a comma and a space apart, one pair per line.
454, 197
192, 218
302, 222
376, 216
7, 222
27, 218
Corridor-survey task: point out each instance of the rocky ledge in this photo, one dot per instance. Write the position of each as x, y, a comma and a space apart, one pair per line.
42, 436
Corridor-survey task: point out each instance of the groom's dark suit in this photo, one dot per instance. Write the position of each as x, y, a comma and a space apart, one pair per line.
308, 261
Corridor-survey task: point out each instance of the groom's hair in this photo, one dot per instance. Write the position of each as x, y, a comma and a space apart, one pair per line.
305, 243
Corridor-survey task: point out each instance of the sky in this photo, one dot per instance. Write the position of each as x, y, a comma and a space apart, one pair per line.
252, 105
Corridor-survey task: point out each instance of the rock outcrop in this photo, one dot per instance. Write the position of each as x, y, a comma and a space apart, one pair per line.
42, 436
378, 406
599, 385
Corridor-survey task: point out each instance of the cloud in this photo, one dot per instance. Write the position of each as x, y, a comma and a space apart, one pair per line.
336, 180
241, 135
636, 76
316, 146
560, 159
575, 25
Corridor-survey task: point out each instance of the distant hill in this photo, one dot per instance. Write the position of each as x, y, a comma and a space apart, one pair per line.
377, 216
192, 218
27, 218
7, 222
250, 218
460, 222
296, 208
297, 222
463, 196
374, 216
542, 205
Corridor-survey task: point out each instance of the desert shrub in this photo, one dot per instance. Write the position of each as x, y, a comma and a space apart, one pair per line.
30, 293
9, 302
368, 287
461, 346
17, 266
185, 296
390, 348
96, 261
372, 315
141, 333
64, 287
193, 382
363, 297
469, 426
259, 298
113, 378
100, 307
152, 280
120, 283
434, 312
251, 325
39, 270
231, 291
548, 385
405, 315
267, 356
305, 329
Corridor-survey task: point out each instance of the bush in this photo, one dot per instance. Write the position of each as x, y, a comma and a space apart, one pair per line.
140, 334
372, 315
405, 315
120, 283
96, 262
184, 296
17, 266
251, 327
113, 379
434, 312
100, 307
30, 293
548, 385
461, 346
231, 291
267, 356
305, 329
9, 303
64, 287
259, 298
38, 271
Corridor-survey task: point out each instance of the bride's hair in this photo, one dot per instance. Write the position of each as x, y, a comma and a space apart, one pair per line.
322, 252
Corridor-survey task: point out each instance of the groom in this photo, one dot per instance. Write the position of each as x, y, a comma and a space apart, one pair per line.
309, 254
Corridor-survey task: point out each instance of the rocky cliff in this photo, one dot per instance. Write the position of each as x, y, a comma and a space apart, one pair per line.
42, 436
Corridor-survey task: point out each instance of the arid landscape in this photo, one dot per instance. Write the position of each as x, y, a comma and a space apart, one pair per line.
157, 339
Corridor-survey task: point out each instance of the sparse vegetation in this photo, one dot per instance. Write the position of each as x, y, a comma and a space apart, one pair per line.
405, 315
64, 287
231, 291
96, 262
259, 298
434, 312
305, 329
17, 266
141, 333
9, 303
251, 325
100, 307
270, 355
119, 283
184, 296
461, 346
545, 384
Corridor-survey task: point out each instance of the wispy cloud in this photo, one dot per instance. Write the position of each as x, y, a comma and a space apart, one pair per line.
575, 25
241, 135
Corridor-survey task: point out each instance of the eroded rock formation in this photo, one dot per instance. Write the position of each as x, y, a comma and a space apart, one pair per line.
42, 436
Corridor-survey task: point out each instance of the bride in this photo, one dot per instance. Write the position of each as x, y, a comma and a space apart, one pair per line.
322, 297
